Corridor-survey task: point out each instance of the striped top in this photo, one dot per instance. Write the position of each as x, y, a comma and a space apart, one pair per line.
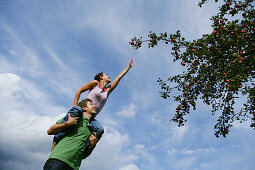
98, 95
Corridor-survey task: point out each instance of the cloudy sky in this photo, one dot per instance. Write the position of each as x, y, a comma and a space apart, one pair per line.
49, 49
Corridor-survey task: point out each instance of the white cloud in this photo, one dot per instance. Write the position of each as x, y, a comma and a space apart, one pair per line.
21, 105
191, 151
138, 147
178, 133
26, 57
245, 125
129, 167
185, 162
25, 129
172, 151
128, 111
55, 58
109, 152
187, 152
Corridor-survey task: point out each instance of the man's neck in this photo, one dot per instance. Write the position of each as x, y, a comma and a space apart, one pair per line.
87, 115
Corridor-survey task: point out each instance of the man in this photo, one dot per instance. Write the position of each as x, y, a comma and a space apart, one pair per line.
69, 152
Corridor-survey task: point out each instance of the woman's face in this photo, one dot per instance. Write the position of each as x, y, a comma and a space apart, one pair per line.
106, 78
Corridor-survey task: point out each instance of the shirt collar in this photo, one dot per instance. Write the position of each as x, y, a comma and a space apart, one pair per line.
103, 88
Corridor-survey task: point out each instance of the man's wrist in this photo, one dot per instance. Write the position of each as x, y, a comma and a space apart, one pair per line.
67, 124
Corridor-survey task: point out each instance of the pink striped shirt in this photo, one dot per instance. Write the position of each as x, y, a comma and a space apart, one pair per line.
98, 95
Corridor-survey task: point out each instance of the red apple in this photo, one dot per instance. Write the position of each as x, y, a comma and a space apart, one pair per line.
132, 43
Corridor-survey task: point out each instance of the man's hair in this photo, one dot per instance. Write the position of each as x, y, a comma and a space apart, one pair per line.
97, 77
84, 102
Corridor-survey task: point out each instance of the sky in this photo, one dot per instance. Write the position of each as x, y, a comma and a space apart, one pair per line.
49, 49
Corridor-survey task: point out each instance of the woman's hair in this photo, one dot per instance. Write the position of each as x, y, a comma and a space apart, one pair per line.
83, 103
97, 77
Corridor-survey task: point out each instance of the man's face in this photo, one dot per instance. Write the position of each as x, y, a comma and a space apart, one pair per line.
91, 108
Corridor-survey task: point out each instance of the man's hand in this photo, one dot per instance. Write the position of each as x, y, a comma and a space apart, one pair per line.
72, 121
93, 139
54, 129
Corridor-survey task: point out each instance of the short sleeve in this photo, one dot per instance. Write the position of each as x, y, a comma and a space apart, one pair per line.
60, 121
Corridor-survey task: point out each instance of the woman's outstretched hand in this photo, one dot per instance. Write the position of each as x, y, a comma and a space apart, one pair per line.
131, 64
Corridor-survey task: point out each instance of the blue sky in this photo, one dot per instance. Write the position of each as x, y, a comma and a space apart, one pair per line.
49, 49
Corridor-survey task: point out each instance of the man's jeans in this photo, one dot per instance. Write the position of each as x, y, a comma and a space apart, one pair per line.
55, 164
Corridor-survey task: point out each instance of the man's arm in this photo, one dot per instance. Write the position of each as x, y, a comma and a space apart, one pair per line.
93, 141
54, 129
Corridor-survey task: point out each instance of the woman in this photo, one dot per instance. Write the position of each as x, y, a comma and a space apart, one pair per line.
99, 92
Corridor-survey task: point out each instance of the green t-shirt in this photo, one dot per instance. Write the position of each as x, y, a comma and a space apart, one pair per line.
70, 149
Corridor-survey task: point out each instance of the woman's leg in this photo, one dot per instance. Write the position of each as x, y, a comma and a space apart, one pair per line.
96, 127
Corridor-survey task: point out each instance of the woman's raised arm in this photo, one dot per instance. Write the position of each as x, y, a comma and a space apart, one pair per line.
114, 84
